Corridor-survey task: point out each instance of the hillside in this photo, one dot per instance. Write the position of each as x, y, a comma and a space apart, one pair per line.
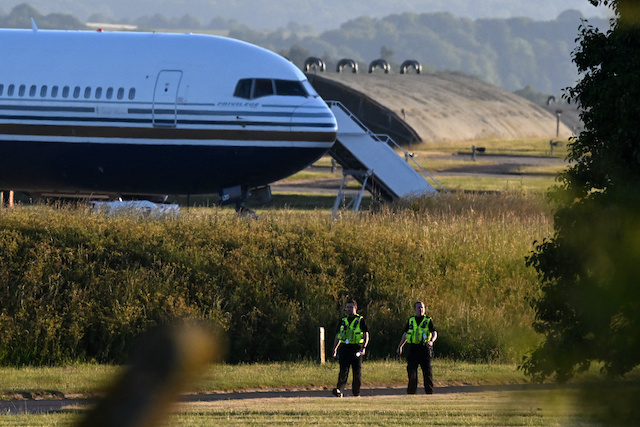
321, 16
512, 53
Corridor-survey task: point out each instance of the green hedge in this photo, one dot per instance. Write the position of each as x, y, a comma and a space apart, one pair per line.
78, 286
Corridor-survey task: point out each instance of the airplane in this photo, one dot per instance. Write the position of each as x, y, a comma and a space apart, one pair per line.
121, 114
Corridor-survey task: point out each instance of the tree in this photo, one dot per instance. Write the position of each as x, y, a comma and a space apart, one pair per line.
386, 53
20, 17
589, 306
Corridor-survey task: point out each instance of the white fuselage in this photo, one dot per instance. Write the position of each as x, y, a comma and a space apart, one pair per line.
147, 114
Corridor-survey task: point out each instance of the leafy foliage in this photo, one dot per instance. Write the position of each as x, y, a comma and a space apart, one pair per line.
83, 287
278, 14
20, 17
590, 306
511, 53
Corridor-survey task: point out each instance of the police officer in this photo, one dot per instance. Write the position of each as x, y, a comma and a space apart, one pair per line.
419, 333
350, 345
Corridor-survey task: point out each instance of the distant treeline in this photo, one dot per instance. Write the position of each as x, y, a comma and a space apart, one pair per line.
510, 53
20, 17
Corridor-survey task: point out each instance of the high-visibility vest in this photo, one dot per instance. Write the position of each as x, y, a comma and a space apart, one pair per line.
350, 333
418, 334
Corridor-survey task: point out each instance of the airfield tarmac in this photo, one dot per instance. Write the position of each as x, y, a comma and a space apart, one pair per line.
493, 166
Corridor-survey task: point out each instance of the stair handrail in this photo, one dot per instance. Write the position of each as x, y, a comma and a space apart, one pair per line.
384, 138
408, 156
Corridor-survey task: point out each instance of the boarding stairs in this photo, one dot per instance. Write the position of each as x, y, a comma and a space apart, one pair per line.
372, 161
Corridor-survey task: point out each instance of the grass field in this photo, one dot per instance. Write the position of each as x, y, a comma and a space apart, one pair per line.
87, 379
454, 230
538, 147
559, 407
530, 184
533, 408
505, 399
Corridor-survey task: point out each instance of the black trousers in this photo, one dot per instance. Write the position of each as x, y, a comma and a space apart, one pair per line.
347, 359
419, 355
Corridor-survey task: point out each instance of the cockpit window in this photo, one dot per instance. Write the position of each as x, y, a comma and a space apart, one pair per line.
263, 87
290, 88
256, 88
310, 90
243, 89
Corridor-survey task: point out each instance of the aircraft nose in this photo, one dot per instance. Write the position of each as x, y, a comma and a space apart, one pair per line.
314, 115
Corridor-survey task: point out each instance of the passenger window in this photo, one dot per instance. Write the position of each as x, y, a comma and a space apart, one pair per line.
263, 87
121, 93
65, 92
54, 92
76, 92
132, 93
110, 93
1, 89
21, 90
98, 92
43, 91
32, 90
243, 89
87, 92
10, 90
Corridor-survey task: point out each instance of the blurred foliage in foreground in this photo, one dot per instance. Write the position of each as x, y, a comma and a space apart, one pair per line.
589, 308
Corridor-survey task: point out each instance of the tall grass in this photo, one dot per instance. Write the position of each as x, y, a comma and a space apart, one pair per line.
77, 286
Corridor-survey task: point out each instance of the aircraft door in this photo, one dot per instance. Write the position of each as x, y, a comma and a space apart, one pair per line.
164, 111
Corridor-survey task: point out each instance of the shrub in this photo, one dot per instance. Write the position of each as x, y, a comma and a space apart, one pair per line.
77, 286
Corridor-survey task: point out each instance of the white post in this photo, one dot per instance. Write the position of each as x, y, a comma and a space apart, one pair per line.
321, 351
6, 199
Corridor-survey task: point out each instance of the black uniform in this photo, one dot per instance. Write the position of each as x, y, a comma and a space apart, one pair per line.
347, 359
419, 355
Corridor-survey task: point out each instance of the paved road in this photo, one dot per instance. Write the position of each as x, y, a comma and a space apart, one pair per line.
55, 405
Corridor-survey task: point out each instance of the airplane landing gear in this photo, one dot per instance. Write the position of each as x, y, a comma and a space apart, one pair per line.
243, 212
239, 196
241, 209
